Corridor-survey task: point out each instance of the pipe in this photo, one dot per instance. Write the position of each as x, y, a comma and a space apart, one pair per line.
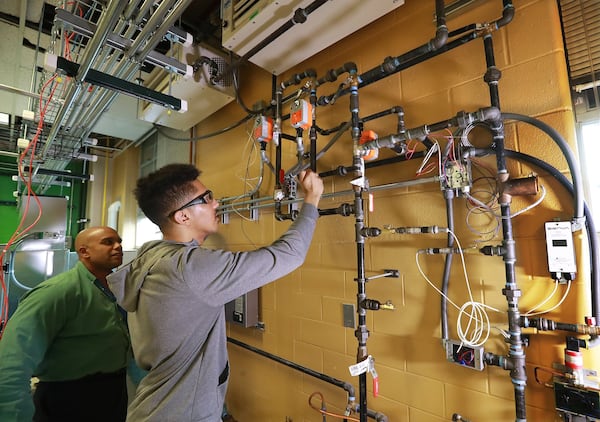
349, 388
544, 324
312, 134
449, 197
392, 65
105, 25
361, 333
461, 120
508, 13
511, 291
223, 209
300, 16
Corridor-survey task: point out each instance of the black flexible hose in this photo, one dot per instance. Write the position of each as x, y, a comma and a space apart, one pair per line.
568, 154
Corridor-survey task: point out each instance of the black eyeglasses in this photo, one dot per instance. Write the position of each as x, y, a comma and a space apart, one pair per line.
203, 198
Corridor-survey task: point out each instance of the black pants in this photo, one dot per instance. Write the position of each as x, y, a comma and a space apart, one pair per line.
95, 398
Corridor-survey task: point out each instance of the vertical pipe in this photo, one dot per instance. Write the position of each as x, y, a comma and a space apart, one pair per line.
512, 292
313, 127
276, 101
449, 196
362, 334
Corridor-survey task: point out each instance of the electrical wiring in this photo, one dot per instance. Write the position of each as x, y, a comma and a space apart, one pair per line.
19, 232
435, 148
470, 336
493, 212
562, 299
474, 209
207, 135
323, 410
542, 303
251, 146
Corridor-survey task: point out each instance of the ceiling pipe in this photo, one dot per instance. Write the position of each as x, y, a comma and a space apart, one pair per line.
107, 22
108, 97
164, 27
155, 21
86, 117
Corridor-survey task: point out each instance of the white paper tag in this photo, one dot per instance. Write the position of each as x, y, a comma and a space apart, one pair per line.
360, 367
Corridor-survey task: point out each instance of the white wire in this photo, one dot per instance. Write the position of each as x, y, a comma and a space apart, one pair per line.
539, 305
478, 315
558, 304
491, 211
429, 154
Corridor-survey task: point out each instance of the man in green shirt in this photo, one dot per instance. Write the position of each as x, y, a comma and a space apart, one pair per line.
69, 333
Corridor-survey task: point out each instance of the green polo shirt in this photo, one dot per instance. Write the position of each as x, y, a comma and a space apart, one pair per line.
64, 329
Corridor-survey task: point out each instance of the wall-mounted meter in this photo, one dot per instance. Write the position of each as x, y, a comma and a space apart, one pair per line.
561, 253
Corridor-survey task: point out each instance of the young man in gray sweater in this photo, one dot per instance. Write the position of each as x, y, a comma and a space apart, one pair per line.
175, 292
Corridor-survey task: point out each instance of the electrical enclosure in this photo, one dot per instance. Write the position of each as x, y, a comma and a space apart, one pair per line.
243, 310
577, 401
467, 356
561, 253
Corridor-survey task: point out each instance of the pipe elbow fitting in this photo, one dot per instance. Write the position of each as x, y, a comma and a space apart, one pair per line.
507, 16
441, 37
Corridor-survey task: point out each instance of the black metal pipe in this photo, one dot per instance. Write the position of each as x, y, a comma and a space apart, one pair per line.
312, 133
511, 291
449, 197
508, 13
544, 324
361, 333
300, 16
349, 388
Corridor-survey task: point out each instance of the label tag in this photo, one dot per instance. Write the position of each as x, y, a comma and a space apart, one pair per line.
360, 367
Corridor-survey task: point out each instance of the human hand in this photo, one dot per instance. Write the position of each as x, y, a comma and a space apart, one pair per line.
312, 185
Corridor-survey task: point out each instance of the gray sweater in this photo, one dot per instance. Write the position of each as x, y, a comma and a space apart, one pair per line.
175, 294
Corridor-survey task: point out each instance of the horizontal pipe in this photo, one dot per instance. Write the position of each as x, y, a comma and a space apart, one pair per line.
227, 208
349, 388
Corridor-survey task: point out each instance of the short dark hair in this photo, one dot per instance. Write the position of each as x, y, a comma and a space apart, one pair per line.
165, 190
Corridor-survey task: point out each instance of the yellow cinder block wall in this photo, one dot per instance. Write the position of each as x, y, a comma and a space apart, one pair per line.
302, 313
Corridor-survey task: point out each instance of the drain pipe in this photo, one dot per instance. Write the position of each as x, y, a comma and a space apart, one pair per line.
516, 356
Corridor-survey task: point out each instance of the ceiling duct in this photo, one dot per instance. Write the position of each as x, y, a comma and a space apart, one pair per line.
246, 23
201, 91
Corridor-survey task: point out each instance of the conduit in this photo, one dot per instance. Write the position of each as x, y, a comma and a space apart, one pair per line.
578, 218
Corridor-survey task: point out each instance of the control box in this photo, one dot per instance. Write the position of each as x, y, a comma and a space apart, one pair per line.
243, 310
561, 252
463, 355
577, 401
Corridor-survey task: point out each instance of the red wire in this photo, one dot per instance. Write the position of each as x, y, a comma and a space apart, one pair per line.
28, 182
